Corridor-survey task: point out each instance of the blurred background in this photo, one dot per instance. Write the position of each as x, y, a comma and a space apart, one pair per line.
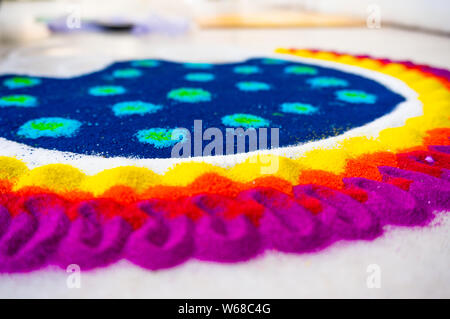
32, 32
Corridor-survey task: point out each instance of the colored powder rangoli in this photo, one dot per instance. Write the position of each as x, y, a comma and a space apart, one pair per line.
348, 188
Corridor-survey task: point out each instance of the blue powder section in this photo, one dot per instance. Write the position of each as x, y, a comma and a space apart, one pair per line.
133, 116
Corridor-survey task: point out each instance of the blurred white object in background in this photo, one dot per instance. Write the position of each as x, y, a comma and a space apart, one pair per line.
19, 24
422, 14
430, 15
18, 19
21, 21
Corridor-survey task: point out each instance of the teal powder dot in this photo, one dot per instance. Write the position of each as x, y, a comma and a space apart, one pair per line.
189, 95
253, 86
300, 69
135, 108
145, 63
355, 96
246, 69
127, 73
106, 90
49, 127
323, 82
199, 77
18, 100
160, 137
244, 120
201, 66
298, 108
21, 82
272, 61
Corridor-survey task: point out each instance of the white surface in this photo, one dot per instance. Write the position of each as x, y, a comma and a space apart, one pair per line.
414, 262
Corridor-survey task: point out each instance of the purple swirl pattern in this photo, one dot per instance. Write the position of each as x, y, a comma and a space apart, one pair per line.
41, 233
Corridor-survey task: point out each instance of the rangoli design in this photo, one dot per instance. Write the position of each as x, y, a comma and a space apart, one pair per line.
57, 215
